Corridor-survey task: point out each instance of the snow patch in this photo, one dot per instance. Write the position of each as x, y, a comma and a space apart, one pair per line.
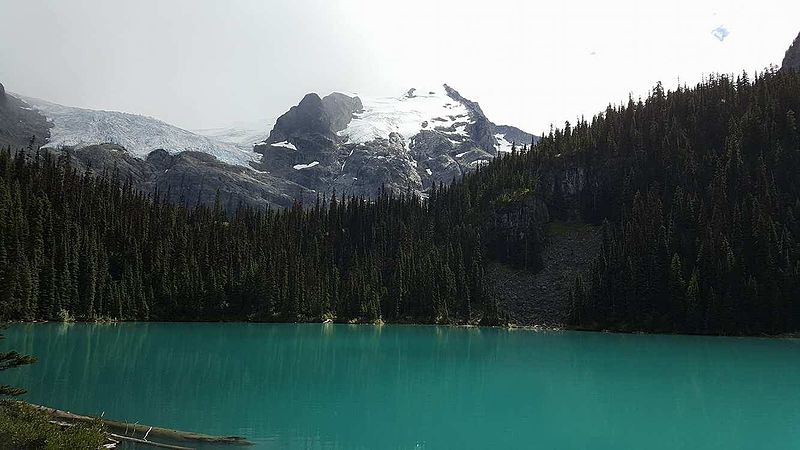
305, 166
284, 144
405, 115
502, 144
345, 160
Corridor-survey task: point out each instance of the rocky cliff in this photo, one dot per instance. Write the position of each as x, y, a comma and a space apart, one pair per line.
189, 178
21, 125
792, 58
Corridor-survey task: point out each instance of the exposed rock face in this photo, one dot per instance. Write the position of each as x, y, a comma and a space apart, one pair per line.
303, 147
542, 298
21, 125
791, 61
307, 118
341, 143
340, 109
481, 130
515, 135
384, 163
189, 178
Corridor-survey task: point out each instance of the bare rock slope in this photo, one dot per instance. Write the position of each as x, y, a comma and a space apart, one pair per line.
542, 298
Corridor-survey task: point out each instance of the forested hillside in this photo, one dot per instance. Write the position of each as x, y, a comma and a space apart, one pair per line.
702, 188
89, 247
697, 190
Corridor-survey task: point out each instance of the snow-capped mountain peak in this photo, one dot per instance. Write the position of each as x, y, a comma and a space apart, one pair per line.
407, 115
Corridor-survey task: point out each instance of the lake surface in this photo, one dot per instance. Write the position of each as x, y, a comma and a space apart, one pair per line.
317, 386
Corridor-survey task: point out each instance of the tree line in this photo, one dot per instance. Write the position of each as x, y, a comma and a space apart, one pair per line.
696, 190
89, 246
700, 191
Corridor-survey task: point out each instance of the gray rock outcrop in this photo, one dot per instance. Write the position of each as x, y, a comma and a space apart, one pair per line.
340, 109
20, 124
791, 60
190, 178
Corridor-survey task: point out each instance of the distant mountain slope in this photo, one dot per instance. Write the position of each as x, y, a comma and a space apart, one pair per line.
139, 135
190, 178
792, 58
359, 145
19, 123
338, 143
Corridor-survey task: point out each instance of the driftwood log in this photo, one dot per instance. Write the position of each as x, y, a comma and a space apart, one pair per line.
123, 431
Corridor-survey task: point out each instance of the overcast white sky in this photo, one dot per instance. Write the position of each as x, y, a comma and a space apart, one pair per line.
204, 63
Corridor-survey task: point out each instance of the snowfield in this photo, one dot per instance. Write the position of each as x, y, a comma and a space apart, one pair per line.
245, 134
140, 135
417, 110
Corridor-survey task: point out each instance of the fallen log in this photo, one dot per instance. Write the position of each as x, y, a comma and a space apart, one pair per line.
121, 429
150, 443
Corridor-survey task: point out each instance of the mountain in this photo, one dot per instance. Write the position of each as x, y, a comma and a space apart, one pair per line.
697, 198
338, 143
20, 124
792, 58
139, 135
359, 145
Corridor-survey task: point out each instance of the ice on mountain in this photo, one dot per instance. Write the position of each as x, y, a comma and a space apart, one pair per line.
241, 133
502, 144
305, 166
284, 144
139, 135
407, 115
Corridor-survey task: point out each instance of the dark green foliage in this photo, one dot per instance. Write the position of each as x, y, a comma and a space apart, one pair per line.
24, 428
702, 193
88, 246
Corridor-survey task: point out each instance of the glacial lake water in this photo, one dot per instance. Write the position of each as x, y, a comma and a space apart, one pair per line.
316, 386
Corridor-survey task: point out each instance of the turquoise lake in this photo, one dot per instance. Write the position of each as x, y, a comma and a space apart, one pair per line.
314, 386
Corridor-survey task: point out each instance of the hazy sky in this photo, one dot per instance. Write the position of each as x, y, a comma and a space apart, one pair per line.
204, 63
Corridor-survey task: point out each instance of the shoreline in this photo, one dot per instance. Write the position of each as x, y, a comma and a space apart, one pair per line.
379, 323
117, 430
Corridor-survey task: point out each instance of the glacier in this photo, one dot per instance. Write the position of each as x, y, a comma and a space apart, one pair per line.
140, 135
407, 115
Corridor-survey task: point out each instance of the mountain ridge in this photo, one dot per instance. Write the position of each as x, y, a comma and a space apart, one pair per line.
336, 143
